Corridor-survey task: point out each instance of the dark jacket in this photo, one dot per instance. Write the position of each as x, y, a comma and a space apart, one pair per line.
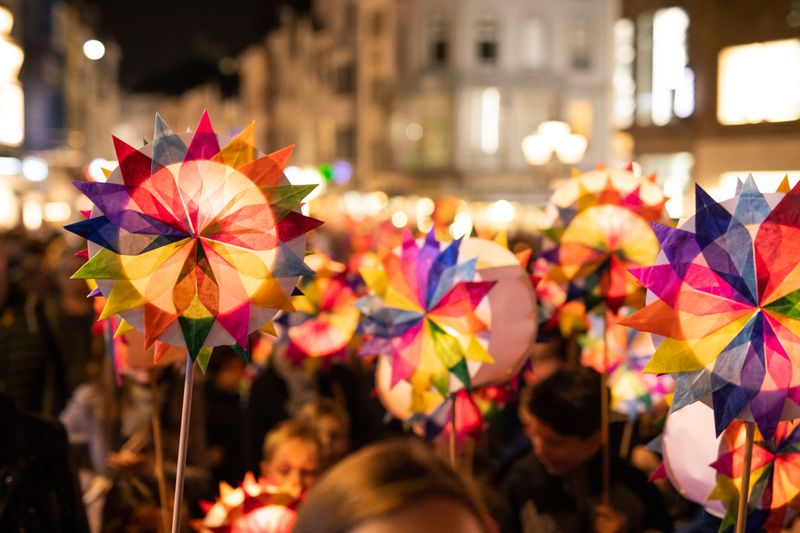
39, 491
544, 503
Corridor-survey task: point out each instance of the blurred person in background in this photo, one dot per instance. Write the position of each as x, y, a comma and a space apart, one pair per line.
393, 487
331, 424
558, 486
40, 490
225, 416
33, 376
291, 458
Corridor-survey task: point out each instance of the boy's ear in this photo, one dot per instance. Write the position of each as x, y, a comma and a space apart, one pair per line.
264, 466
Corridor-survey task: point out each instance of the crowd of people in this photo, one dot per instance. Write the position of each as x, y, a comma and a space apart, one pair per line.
86, 449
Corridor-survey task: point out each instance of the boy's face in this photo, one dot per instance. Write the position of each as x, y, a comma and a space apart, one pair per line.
559, 454
294, 467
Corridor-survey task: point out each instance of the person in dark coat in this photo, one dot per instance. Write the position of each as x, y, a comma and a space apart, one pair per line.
39, 490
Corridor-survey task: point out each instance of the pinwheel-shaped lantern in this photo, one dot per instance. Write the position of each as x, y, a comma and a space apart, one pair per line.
724, 296
422, 314
492, 331
326, 317
774, 476
597, 226
196, 244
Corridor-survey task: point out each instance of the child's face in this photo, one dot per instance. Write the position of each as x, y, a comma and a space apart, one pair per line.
294, 467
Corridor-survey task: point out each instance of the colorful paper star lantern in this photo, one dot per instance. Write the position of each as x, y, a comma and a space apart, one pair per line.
500, 327
774, 477
596, 227
195, 243
252, 507
326, 317
724, 296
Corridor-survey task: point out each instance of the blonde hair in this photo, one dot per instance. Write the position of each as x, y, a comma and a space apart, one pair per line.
311, 412
284, 432
380, 480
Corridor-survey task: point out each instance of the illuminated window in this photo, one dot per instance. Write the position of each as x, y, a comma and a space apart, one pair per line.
759, 82
664, 82
485, 120
624, 86
532, 50
11, 96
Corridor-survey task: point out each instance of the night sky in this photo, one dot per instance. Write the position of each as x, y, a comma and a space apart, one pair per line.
169, 46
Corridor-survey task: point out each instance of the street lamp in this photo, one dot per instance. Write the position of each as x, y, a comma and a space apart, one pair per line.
552, 137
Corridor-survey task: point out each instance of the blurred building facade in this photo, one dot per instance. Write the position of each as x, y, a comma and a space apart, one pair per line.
709, 90
70, 104
435, 96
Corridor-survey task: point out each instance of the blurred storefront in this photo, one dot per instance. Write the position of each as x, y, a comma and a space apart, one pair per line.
711, 90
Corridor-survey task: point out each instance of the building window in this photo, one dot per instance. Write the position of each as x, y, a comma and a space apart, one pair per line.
377, 23
487, 39
345, 79
759, 82
532, 42
624, 104
346, 143
438, 41
485, 120
580, 49
664, 81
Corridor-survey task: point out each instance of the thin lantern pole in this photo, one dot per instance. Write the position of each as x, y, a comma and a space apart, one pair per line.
158, 449
604, 408
453, 434
744, 493
186, 409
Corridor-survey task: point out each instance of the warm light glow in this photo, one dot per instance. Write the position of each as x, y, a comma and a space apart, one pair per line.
766, 180
57, 212
9, 208
413, 132
554, 136
374, 202
501, 212
96, 167
6, 20
571, 148
94, 49
553, 129
32, 212
674, 173
425, 206
490, 120
12, 102
759, 82
399, 219
462, 224
536, 149
35, 169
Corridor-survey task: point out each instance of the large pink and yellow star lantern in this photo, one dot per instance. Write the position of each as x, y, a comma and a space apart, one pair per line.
195, 243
